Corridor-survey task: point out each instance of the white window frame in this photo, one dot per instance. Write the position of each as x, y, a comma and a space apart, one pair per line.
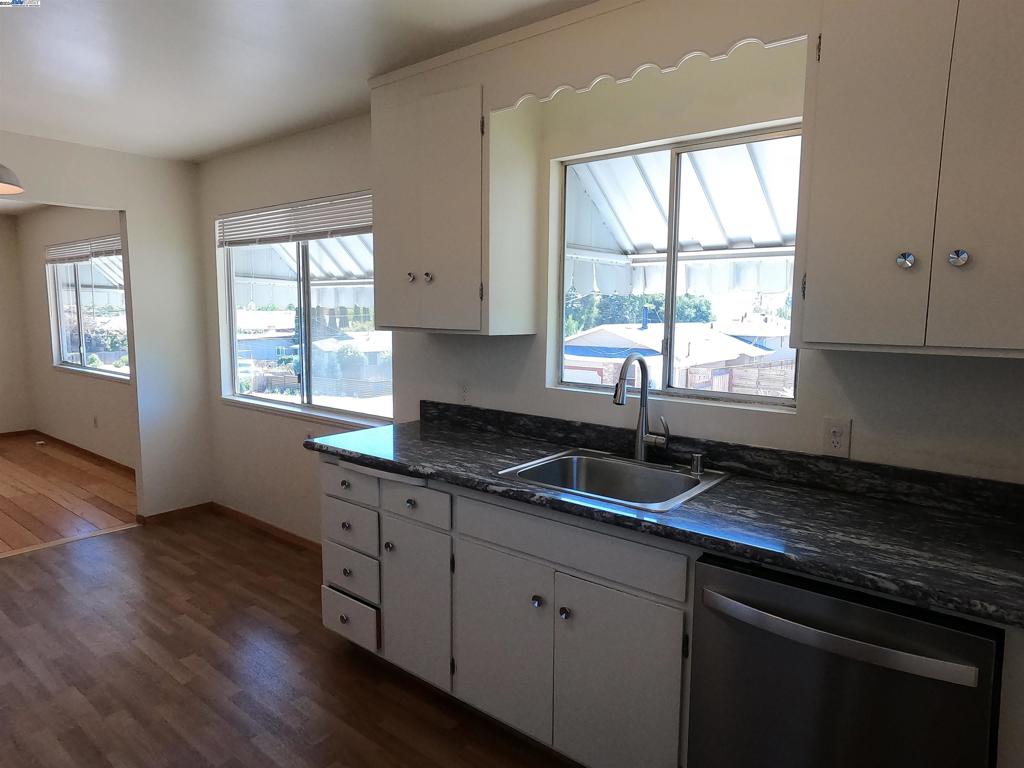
305, 407
671, 268
56, 314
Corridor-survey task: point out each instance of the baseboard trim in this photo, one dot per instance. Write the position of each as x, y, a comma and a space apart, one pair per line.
57, 440
174, 514
278, 533
213, 508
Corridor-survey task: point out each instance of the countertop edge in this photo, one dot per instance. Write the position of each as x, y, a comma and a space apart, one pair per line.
914, 592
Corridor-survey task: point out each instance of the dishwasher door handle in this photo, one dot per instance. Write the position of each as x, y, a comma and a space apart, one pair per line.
869, 653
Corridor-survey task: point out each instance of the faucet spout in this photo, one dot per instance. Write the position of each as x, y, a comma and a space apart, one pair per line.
644, 436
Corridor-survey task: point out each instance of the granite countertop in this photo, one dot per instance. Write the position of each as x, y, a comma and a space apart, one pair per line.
966, 560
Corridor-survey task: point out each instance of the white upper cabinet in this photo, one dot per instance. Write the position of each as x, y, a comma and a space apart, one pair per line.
877, 140
915, 117
440, 262
427, 210
981, 192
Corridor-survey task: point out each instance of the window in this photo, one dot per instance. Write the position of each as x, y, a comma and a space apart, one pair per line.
302, 324
732, 206
90, 317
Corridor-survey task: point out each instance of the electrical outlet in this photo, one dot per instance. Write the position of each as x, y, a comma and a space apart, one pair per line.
464, 392
836, 437
95, 422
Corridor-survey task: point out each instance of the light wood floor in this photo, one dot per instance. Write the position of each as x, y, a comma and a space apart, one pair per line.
55, 492
197, 642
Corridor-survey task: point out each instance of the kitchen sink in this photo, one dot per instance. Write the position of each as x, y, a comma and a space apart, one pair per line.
598, 475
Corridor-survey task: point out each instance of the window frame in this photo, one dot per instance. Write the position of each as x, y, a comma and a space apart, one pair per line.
672, 252
57, 346
305, 407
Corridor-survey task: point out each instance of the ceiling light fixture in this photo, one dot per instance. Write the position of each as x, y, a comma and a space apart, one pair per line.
9, 184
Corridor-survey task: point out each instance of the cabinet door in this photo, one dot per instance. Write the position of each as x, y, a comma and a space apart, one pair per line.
503, 640
981, 193
416, 599
880, 99
618, 677
427, 203
396, 249
449, 178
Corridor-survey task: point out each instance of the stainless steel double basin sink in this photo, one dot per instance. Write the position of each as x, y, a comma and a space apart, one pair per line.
602, 476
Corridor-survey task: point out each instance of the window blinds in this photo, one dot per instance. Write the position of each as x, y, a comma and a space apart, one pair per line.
332, 217
83, 250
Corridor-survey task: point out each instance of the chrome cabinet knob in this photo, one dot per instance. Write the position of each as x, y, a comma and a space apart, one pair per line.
346, 484
343, 619
905, 260
428, 277
959, 257
412, 276
346, 526
536, 601
346, 572
388, 546
410, 503
564, 613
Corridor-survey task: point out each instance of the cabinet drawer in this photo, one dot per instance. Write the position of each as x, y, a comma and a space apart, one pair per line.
346, 569
349, 485
355, 527
646, 568
423, 504
351, 619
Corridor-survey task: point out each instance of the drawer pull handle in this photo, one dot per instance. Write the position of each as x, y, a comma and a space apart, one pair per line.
388, 546
346, 572
343, 619
410, 503
564, 613
346, 484
346, 525
536, 601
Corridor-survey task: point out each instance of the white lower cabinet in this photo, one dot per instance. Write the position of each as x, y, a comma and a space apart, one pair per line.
504, 637
617, 677
570, 635
416, 599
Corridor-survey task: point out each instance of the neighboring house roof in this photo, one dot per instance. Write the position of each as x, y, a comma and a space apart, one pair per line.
760, 326
363, 341
696, 343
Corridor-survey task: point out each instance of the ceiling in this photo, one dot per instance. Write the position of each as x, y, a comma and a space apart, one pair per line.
191, 78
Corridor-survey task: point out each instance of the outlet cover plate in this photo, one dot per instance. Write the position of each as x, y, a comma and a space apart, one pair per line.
835, 437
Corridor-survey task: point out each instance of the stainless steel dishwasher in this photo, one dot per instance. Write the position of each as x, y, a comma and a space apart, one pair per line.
790, 673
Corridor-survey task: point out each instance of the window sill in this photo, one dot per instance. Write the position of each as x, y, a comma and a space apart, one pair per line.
661, 397
306, 413
93, 373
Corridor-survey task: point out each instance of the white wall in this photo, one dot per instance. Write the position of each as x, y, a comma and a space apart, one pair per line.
258, 459
15, 405
66, 402
901, 405
947, 414
169, 357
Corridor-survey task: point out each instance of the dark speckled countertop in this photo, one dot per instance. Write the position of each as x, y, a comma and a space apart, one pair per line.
962, 558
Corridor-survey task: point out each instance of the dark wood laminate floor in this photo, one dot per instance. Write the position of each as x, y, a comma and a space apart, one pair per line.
198, 642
